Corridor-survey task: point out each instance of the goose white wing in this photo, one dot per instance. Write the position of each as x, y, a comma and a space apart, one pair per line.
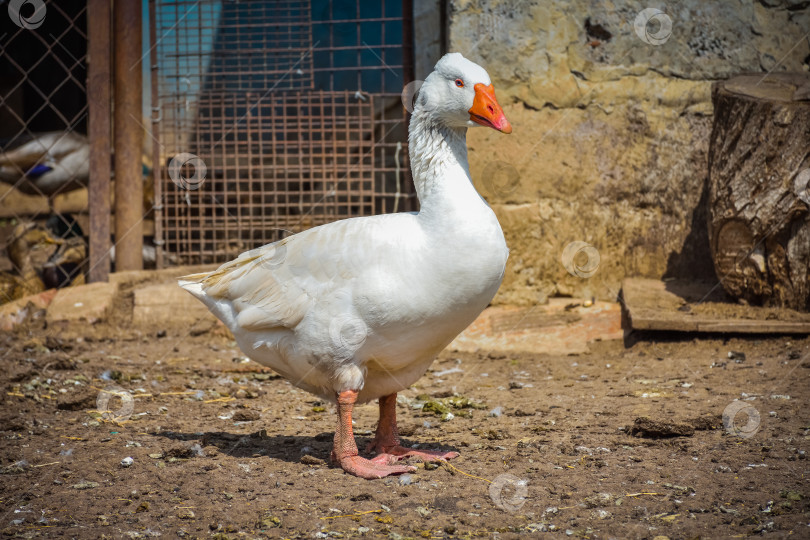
275, 286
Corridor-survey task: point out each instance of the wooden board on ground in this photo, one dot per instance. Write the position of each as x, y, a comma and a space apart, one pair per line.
684, 306
562, 326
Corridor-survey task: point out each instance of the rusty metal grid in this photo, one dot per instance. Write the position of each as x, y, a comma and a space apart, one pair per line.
217, 46
362, 45
293, 109
296, 160
43, 126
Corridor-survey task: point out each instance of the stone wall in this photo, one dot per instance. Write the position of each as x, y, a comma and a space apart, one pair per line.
611, 129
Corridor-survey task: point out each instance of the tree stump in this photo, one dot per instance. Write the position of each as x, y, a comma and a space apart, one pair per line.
759, 188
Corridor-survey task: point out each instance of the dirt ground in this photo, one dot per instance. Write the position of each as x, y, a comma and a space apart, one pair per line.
126, 433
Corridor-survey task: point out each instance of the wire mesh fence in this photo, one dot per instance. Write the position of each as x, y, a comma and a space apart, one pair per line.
43, 146
269, 116
272, 117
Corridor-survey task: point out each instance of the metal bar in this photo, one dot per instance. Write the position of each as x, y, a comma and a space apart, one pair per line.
353, 68
357, 25
128, 136
365, 19
408, 74
374, 163
157, 168
331, 44
99, 132
308, 26
407, 40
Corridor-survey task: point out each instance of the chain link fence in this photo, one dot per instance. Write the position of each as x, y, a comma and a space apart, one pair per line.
43, 146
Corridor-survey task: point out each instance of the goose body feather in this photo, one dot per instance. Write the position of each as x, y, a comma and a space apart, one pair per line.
366, 303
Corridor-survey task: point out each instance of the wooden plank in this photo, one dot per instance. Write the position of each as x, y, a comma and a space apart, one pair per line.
683, 306
19, 205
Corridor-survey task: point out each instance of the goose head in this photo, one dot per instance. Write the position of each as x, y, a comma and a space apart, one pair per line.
460, 94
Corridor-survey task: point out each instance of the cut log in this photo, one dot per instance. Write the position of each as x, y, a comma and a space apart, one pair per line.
695, 306
759, 188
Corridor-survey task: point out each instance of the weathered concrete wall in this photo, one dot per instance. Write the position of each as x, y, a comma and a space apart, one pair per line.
610, 129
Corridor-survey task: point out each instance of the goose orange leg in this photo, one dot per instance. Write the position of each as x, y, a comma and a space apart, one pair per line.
344, 451
386, 440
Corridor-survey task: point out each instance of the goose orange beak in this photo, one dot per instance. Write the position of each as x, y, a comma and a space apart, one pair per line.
486, 110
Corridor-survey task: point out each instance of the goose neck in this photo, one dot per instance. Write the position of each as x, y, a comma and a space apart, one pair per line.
438, 160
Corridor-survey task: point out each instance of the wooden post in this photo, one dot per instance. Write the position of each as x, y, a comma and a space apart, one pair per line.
759, 188
99, 131
128, 118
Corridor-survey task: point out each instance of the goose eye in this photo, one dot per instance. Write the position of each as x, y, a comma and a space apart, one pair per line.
459, 83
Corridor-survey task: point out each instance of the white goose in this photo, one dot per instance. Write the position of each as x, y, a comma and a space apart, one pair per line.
357, 309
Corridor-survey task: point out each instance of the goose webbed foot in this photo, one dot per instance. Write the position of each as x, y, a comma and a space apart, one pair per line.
344, 452
386, 441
